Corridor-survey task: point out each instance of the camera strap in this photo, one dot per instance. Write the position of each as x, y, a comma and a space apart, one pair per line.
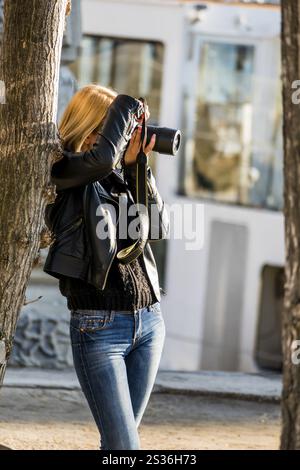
126, 255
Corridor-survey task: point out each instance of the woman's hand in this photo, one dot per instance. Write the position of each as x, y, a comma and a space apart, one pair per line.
135, 143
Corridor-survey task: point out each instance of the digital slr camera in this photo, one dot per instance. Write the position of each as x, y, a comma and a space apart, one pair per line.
167, 139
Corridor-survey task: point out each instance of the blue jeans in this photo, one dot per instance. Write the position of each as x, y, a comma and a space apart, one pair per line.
116, 357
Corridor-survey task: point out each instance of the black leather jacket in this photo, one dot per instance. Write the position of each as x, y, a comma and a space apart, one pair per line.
79, 205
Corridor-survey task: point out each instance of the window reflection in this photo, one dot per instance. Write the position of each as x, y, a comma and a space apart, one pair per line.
225, 160
129, 66
267, 155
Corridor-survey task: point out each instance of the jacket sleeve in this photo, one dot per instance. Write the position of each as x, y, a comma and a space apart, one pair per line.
80, 168
158, 215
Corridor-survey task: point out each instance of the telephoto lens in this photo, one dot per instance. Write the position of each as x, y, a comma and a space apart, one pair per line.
167, 139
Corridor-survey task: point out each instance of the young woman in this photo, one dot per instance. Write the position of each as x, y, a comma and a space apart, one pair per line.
116, 325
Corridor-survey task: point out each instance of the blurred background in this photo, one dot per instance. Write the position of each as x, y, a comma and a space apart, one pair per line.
212, 69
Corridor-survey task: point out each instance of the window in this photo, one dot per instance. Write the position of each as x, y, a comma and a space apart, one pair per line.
129, 66
233, 152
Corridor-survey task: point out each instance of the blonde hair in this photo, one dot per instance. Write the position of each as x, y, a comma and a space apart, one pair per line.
84, 114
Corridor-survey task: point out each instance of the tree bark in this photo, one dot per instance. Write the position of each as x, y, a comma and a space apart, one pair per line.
290, 435
29, 144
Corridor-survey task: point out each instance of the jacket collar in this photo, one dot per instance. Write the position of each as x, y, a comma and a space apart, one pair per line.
113, 184
117, 175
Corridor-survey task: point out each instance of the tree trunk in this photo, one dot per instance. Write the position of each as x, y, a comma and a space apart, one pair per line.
29, 144
290, 436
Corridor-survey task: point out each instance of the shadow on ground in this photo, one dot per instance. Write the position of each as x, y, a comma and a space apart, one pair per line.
60, 419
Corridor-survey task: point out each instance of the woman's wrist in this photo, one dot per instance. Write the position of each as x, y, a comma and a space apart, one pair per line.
127, 165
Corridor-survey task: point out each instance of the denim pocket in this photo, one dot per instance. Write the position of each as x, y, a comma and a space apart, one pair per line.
90, 322
156, 308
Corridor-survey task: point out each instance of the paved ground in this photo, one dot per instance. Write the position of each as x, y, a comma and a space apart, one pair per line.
60, 419
181, 414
